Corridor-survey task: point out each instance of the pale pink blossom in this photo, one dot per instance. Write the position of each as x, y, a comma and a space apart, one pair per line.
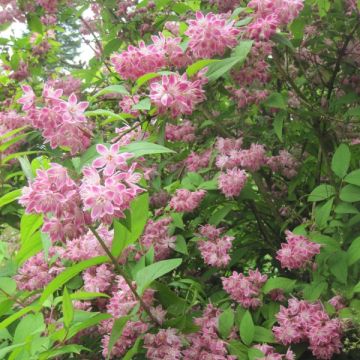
74, 111
177, 94
245, 289
232, 182
28, 99
186, 201
211, 35
297, 252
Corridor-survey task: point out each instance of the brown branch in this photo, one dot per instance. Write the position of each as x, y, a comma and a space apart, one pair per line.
121, 272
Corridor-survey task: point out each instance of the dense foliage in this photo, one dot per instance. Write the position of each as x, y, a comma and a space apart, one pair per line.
190, 192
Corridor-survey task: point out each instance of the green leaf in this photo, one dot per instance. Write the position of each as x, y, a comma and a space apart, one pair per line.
353, 252
220, 214
116, 89
111, 46
144, 79
226, 322
68, 274
8, 285
10, 197
10, 319
323, 6
356, 288
29, 223
180, 245
148, 274
338, 265
66, 349
34, 23
313, 291
123, 237
31, 246
133, 351
275, 100
247, 329
350, 193
278, 124
144, 104
220, 68
198, 65
283, 283
141, 148
353, 178
341, 160
321, 192
26, 167
12, 141
346, 208
116, 332
263, 335
322, 213
12, 132
255, 354
29, 325
68, 309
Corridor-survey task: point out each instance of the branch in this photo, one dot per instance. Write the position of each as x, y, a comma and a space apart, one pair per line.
121, 272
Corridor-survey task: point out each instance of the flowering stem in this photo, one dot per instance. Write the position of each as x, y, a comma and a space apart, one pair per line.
121, 272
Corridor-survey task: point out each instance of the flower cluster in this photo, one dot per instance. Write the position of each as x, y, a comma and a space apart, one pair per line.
54, 193
211, 35
156, 234
206, 344
297, 252
177, 94
271, 354
284, 163
107, 193
303, 321
196, 161
62, 123
185, 200
214, 248
166, 345
232, 182
37, 272
245, 289
184, 132
270, 14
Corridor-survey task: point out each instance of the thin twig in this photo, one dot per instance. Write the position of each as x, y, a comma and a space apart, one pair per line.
121, 272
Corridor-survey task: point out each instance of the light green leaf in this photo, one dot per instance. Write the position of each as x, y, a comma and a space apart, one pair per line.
353, 252
247, 329
322, 213
282, 283
141, 148
341, 160
116, 89
198, 65
66, 349
275, 100
123, 237
148, 274
68, 309
68, 274
144, 104
321, 192
353, 178
116, 332
263, 335
226, 322
8, 285
350, 193
10, 197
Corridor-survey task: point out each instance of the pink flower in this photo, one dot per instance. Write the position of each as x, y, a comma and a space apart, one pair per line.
157, 234
165, 345
195, 161
176, 94
211, 35
337, 302
137, 61
245, 289
110, 159
186, 201
232, 182
263, 27
36, 273
215, 248
185, 131
131, 331
206, 343
303, 321
285, 163
98, 278
297, 252
28, 99
270, 354
74, 111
